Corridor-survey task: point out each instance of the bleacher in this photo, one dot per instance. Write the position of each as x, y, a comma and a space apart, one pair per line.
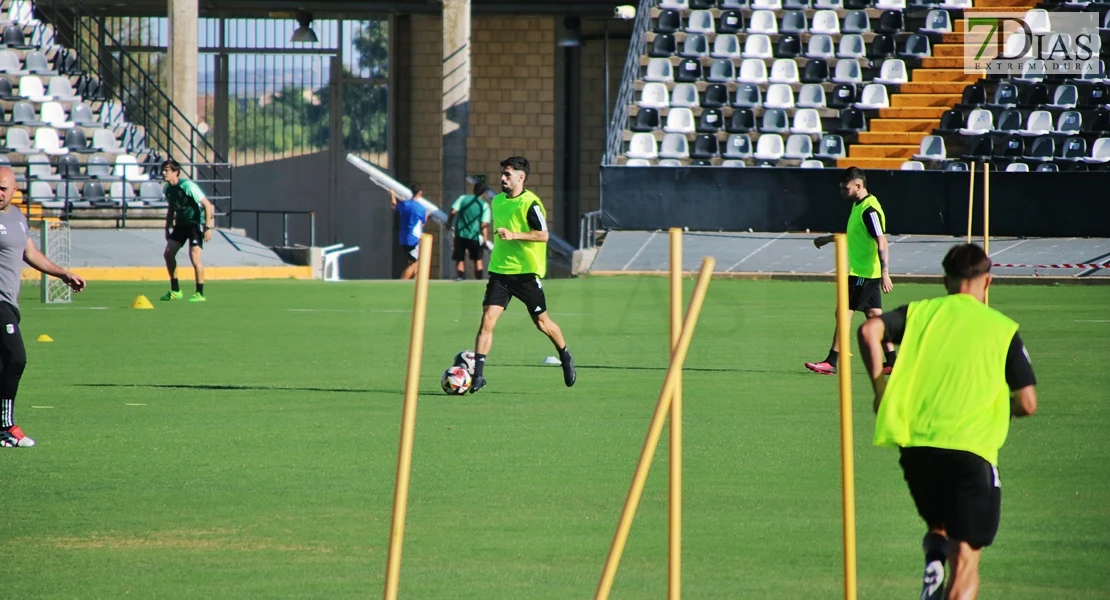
70, 146
832, 83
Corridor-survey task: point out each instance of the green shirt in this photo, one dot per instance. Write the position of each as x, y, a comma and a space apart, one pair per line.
185, 200
472, 212
949, 388
517, 257
863, 250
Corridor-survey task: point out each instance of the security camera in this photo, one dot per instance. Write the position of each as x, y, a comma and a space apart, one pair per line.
626, 12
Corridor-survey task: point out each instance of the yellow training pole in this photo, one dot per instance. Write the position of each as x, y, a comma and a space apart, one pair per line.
987, 224
970, 201
662, 406
674, 531
408, 419
843, 370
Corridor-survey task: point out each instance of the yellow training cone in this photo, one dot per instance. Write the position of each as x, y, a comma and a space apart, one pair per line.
44, 338
141, 302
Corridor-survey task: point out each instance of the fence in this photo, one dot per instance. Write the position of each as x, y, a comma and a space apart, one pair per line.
285, 229
636, 47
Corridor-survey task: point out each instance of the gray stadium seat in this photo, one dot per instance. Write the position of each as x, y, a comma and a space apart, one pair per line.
23, 113
39, 168
695, 46
150, 192
18, 140
851, 46
820, 46
658, 69
774, 121
10, 63
700, 21
1065, 96
812, 164
738, 146
937, 21
748, 95
798, 147
931, 149
856, 21
674, 146
35, 62
721, 71
831, 147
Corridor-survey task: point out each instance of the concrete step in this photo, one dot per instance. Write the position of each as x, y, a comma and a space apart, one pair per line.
912, 113
944, 76
870, 163
942, 63
948, 51
892, 138
902, 125
996, 4
924, 100
904, 151
933, 88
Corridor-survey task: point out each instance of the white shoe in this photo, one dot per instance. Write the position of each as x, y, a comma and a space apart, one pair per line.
13, 437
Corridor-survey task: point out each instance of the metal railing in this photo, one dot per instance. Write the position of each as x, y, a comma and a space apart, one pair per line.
636, 47
284, 223
587, 229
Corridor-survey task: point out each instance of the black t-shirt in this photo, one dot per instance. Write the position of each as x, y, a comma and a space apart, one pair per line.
535, 218
873, 222
1019, 373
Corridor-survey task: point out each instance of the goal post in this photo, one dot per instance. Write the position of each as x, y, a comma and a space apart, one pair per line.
52, 238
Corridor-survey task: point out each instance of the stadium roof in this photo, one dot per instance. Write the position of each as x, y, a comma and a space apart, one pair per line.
326, 8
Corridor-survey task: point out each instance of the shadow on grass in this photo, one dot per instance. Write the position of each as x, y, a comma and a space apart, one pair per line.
264, 388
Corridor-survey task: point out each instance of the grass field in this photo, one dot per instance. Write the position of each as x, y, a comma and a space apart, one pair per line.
246, 447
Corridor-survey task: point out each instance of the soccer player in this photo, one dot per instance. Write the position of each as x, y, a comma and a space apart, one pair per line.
471, 231
868, 261
190, 218
413, 215
16, 248
517, 266
963, 373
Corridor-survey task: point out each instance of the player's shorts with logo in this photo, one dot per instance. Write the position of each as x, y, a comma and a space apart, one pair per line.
527, 288
466, 247
864, 293
186, 232
955, 489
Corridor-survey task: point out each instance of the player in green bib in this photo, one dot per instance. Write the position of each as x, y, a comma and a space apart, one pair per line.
962, 374
189, 218
470, 217
517, 266
868, 261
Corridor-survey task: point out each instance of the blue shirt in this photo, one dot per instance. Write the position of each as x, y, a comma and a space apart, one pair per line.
413, 214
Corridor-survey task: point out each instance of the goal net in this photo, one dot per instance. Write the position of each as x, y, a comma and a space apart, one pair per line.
52, 239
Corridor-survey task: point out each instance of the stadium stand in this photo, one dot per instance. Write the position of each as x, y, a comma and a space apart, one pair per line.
875, 84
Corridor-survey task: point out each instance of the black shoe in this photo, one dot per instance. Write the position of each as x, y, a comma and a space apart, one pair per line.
569, 375
478, 383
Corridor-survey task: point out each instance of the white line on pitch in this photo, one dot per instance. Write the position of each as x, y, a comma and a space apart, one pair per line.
754, 252
72, 308
1092, 320
131, 404
33, 406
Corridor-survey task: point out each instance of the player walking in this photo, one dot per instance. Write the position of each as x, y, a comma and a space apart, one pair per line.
190, 218
517, 266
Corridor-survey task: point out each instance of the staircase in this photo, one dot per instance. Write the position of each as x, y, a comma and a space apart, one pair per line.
915, 109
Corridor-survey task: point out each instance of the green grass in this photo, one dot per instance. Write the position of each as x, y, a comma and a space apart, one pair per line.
242, 448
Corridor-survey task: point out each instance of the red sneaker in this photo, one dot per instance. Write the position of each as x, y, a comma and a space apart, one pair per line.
13, 437
887, 369
823, 368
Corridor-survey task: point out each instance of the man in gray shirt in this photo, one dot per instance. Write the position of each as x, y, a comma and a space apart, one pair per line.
16, 248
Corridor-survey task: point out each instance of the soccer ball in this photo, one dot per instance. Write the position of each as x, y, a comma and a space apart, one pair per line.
456, 381
465, 359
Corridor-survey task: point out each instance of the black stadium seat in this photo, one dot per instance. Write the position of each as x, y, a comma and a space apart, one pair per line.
715, 96
1073, 149
730, 21
742, 121
982, 150
815, 71
710, 121
951, 122
842, 96
1043, 148
882, 46
688, 71
705, 146
852, 120
890, 22
645, 120
662, 46
789, 46
669, 21
1013, 147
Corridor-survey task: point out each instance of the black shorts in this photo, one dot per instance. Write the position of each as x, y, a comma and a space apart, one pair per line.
864, 294
527, 288
11, 340
464, 247
412, 253
193, 234
957, 490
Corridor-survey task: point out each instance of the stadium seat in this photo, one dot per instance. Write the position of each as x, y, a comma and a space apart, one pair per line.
917, 46
128, 168
753, 71
856, 21
769, 147
731, 163
847, 71
852, 120
10, 63
891, 5
662, 46
890, 22
654, 95
684, 95
715, 96
76, 141
30, 88
1092, 73
957, 4
23, 113
730, 21
1018, 46
811, 95
757, 46
702, 4
70, 168
54, 115
774, 121
766, 4
797, 4
1037, 20
763, 21
675, 4
726, 45
642, 145
956, 167
1042, 149
694, 46
669, 21
831, 147
738, 146
842, 96
748, 95
705, 146
659, 69
1005, 96
1069, 122
150, 192
633, 162
851, 46
893, 72
721, 71
951, 122
120, 193
710, 121
980, 121
937, 21
1047, 168
734, 4
913, 165
111, 113
779, 95
41, 193
13, 38
806, 121
39, 168
931, 149
825, 22
1032, 71
982, 150
798, 147
1074, 149
820, 47
688, 71
6, 91
1100, 152
811, 163
857, 4
742, 121
1017, 168
1013, 147
47, 140
93, 193
679, 120
97, 167
35, 62
815, 71
788, 46
1033, 96
61, 90
973, 96
882, 46
1095, 95
674, 146
1099, 122
784, 70
828, 4
794, 22
1065, 96
1009, 121
67, 192
1039, 123
700, 21
670, 162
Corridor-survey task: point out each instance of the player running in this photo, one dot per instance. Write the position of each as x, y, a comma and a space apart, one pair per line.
517, 266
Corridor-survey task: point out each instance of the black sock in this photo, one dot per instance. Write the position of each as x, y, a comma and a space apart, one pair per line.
936, 553
200, 289
832, 358
174, 285
890, 356
479, 364
460, 274
563, 353
478, 274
